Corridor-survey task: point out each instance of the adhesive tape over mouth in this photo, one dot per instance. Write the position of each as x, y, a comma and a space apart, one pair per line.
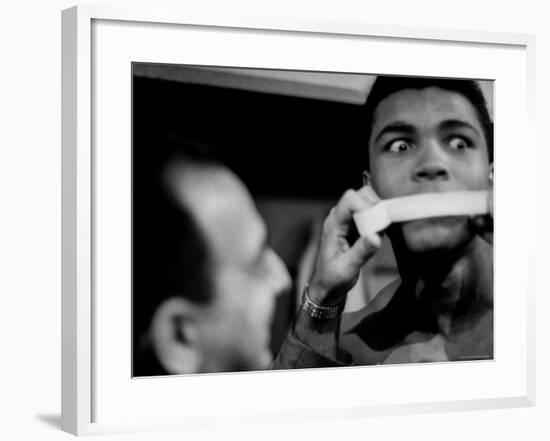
426, 205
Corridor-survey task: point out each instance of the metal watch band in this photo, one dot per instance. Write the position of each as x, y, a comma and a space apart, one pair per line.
318, 311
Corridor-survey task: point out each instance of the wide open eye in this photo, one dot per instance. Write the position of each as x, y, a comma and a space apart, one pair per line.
459, 143
398, 146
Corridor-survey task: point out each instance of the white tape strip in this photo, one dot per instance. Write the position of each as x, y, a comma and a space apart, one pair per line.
425, 205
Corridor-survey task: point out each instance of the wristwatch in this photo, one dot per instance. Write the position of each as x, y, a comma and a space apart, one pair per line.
317, 311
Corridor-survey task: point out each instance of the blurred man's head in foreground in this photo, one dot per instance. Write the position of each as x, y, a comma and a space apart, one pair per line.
205, 279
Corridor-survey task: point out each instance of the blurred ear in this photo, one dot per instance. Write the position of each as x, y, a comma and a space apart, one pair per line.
491, 172
366, 179
174, 336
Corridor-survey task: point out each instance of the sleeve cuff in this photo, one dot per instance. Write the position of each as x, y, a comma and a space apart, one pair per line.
295, 354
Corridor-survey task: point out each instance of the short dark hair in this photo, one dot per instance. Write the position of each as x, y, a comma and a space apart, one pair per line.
384, 86
169, 253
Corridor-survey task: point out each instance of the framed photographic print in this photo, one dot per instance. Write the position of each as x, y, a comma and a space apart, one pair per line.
201, 159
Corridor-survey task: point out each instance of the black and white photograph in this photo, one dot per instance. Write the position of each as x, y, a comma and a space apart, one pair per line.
286, 219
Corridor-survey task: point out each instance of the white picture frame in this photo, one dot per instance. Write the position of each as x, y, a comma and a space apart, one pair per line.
97, 44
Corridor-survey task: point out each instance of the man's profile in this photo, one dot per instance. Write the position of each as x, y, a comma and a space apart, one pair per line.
205, 280
423, 135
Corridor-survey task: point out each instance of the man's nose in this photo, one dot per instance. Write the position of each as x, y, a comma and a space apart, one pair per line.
280, 274
432, 164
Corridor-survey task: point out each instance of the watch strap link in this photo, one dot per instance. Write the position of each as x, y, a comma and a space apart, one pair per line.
317, 311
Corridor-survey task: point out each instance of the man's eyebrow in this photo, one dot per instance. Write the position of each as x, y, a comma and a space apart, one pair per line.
450, 124
403, 127
395, 126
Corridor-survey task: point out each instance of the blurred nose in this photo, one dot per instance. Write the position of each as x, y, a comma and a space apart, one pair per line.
279, 274
432, 163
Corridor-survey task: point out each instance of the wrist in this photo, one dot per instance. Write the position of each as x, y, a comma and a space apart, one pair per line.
314, 303
322, 296
320, 335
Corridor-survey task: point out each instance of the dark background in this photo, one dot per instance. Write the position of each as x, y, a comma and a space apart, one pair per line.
280, 146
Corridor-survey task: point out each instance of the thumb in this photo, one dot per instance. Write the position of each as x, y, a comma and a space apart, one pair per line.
362, 249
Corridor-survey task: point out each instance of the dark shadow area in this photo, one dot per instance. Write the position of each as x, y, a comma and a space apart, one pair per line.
280, 146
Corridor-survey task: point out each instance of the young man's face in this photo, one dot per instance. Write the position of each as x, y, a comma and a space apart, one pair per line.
428, 140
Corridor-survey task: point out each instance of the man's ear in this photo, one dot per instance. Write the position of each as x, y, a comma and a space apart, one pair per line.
366, 179
174, 336
491, 173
